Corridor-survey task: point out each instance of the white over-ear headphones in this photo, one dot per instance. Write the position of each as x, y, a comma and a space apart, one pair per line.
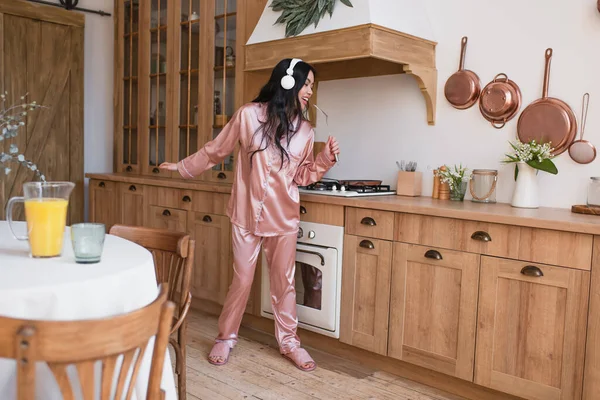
288, 81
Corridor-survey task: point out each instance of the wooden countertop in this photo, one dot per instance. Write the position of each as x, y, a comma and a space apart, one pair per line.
544, 217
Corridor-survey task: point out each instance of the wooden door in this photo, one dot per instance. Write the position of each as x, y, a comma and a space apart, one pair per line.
531, 329
167, 218
366, 293
212, 258
41, 50
103, 203
132, 204
433, 308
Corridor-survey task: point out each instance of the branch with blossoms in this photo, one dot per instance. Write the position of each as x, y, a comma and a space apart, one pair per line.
11, 119
536, 155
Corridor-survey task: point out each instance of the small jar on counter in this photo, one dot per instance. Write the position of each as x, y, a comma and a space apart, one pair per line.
593, 195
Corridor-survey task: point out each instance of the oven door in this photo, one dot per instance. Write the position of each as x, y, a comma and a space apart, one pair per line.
316, 287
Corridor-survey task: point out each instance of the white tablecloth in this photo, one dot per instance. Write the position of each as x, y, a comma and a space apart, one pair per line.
60, 289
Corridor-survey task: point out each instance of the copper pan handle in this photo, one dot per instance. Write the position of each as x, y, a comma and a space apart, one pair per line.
499, 126
499, 75
584, 109
463, 51
547, 73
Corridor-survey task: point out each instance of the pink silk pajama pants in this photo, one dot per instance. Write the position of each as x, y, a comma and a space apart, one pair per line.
280, 252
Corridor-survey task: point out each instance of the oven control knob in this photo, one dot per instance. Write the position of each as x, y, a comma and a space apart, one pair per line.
311, 234
334, 188
343, 188
300, 233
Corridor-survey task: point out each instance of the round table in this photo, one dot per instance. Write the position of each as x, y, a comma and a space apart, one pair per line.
60, 289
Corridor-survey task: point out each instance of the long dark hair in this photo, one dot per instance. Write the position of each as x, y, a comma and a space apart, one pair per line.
283, 107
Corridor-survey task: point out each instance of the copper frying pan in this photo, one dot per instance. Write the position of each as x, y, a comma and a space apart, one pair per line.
548, 119
463, 87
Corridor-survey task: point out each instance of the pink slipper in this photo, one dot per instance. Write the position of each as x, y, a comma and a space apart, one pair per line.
300, 357
220, 350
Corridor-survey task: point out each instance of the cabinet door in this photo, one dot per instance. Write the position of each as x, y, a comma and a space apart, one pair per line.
531, 329
167, 218
132, 207
222, 17
366, 293
103, 202
127, 42
156, 92
433, 308
212, 257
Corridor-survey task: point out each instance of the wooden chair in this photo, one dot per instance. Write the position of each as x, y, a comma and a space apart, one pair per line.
83, 343
173, 254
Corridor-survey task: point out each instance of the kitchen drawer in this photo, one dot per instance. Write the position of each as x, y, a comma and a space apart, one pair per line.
320, 213
370, 223
167, 218
103, 185
565, 249
170, 197
132, 188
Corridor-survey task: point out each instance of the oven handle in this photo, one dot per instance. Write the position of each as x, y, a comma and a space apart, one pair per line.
313, 253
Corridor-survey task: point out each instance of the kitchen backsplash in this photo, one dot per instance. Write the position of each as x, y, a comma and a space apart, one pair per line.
381, 120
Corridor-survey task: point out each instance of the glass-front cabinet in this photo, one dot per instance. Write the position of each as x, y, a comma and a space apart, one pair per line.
179, 92
127, 149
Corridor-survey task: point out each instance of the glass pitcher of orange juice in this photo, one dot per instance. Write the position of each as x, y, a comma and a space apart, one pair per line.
46, 215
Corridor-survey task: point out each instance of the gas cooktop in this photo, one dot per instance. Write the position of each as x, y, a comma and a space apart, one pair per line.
347, 188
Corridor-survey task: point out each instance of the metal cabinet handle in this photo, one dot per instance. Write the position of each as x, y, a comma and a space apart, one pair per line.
532, 270
367, 244
129, 168
101, 184
167, 213
155, 170
186, 198
221, 175
313, 253
368, 221
434, 254
302, 210
132, 188
481, 236
207, 218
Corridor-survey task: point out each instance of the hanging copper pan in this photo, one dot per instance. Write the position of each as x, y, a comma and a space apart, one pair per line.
463, 87
500, 101
548, 119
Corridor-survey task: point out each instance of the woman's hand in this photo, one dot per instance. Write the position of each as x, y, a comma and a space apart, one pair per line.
168, 166
332, 148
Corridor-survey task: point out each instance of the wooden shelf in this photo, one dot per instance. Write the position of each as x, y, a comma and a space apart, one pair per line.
130, 34
133, 78
160, 28
230, 71
188, 126
130, 127
186, 23
189, 72
159, 74
221, 16
157, 127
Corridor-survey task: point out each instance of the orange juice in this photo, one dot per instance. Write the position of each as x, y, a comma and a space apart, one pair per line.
46, 219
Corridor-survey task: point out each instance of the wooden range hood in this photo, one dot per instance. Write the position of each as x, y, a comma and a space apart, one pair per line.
362, 50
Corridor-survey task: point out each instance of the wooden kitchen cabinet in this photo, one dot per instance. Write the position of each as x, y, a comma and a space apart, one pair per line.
211, 276
531, 329
132, 204
433, 308
364, 309
103, 202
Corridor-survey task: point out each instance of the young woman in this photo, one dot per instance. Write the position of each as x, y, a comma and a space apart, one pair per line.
275, 156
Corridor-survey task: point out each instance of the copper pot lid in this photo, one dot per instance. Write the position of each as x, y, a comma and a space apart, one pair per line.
463, 87
500, 100
548, 119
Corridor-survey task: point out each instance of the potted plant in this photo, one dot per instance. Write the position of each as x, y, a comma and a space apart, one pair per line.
529, 158
457, 179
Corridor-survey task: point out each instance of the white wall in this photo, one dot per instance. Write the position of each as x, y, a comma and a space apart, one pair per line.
98, 89
381, 120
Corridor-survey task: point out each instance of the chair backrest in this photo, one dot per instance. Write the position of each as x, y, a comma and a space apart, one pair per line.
85, 343
173, 254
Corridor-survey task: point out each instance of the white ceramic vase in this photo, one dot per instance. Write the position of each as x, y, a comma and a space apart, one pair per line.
526, 188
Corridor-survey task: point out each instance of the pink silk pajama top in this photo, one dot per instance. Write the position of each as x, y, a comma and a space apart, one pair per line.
264, 199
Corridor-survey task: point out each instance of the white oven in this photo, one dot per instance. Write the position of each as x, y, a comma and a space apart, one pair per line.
318, 278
